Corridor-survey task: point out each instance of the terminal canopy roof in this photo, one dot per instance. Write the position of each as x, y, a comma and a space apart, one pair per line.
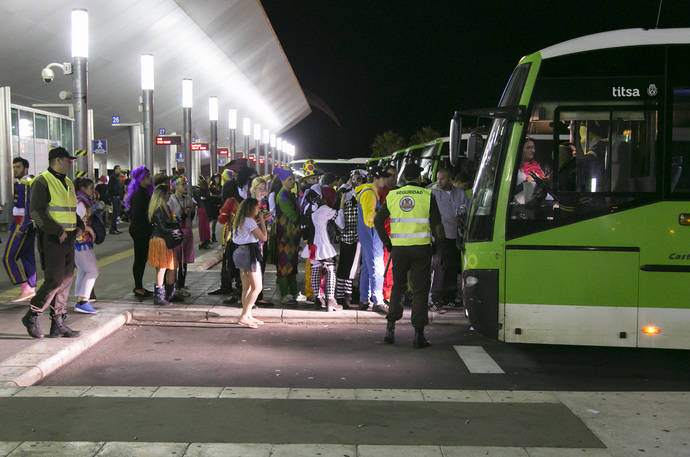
228, 48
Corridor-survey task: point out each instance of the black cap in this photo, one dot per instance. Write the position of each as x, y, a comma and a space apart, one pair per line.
380, 173
59, 152
412, 170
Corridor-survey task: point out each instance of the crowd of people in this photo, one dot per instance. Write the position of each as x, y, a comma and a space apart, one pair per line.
340, 226
328, 221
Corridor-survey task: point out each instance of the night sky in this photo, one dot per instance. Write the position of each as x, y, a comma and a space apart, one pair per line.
403, 65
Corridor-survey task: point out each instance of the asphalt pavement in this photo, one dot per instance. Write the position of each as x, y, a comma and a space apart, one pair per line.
354, 356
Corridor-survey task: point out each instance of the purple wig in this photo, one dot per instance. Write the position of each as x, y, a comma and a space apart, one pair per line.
137, 174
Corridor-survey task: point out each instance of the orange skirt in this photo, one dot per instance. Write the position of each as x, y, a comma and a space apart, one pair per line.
159, 254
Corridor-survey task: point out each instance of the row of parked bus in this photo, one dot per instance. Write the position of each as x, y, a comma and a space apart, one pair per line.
434, 156
579, 225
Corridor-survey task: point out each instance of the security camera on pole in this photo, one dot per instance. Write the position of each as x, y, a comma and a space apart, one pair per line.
213, 140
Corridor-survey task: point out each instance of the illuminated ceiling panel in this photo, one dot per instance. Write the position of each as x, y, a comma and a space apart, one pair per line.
227, 47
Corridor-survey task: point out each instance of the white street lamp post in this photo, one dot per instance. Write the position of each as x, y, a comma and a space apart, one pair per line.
232, 125
80, 58
257, 145
213, 140
147, 83
187, 102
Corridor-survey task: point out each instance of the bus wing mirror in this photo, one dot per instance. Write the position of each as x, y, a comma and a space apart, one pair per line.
475, 147
455, 135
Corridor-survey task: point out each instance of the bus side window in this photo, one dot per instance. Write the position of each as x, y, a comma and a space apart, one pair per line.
680, 147
534, 167
605, 159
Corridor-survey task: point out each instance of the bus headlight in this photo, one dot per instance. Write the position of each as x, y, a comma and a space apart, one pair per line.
471, 281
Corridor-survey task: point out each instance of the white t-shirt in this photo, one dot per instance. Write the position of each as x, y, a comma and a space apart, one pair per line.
244, 235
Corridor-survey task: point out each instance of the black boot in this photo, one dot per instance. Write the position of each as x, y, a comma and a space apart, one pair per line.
171, 294
419, 339
30, 321
159, 298
346, 302
389, 338
182, 276
59, 329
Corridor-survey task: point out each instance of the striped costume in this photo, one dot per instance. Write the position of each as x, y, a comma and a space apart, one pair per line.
19, 259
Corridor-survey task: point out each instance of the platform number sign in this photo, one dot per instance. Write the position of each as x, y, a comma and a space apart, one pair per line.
161, 131
115, 120
179, 156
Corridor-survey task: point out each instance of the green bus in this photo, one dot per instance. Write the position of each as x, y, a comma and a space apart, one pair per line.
434, 155
579, 227
375, 162
427, 156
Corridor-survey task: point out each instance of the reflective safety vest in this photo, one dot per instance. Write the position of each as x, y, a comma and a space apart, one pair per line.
409, 209
62, 207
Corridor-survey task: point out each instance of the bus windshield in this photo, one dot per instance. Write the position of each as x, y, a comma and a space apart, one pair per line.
483, 207
425, 157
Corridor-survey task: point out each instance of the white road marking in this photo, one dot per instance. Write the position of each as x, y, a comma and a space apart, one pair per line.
477, 360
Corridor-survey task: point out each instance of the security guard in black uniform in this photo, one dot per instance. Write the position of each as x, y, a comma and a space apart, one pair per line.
414, 216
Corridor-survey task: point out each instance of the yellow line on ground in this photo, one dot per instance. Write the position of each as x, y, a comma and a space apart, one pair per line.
115, 257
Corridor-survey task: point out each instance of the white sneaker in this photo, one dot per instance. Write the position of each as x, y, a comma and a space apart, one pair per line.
301, 297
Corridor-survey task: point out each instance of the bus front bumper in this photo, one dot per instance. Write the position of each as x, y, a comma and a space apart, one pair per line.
480, 296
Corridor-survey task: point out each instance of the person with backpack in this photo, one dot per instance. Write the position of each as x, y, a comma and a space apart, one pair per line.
160, 256
84, 255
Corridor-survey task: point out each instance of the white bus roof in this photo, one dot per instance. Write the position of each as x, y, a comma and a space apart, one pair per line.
356, 161
618, 39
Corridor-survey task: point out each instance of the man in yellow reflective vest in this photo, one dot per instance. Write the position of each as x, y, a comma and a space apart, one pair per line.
414, 218
53, 209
